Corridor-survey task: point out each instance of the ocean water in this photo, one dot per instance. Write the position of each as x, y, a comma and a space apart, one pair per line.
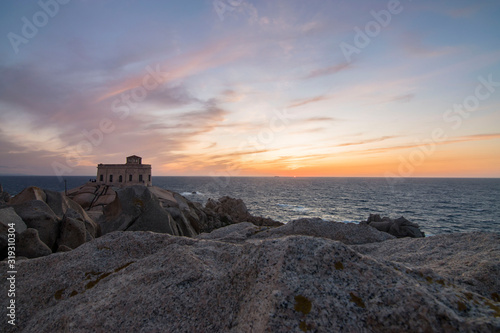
438, 205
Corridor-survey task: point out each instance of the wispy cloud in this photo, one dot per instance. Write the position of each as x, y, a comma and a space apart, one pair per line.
305, 101
327, 71
362, 142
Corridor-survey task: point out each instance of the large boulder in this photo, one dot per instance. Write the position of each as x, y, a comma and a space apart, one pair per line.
347, 233
399, 227
136, 208
8, 217
289, 283
38, 215
229, 210
28, 194
63, 206
73, 233
29, 245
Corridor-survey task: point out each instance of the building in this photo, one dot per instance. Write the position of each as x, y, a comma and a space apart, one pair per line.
131, 173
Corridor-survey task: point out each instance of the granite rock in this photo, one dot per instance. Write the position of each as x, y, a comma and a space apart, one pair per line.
29, 245
8, 216
73, 233
28, 194
233, 281
136, 208
347, 233
399, 227
38, 215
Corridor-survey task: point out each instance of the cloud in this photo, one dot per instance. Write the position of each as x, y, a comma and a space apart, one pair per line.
469, 138
405, 98
231, 96
327, 71
320, 119
362, 142
305, 101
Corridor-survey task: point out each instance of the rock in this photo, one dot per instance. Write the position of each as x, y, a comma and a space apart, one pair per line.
229, 210
136, 208
38, 215
30, 245
469, 259
64, 206
73, 233
399, 227
64, 248
234, 233
347, 233
374, 218
4, 196
8, 216
28, 194
149, 282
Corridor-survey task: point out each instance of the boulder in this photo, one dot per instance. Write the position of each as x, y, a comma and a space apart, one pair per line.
30, 245
8, 216
4, 196
347, 233
63, 206
399, 227
64, 248
227, 210
73, 233
28, 194
149, 282
38, 215
136, 208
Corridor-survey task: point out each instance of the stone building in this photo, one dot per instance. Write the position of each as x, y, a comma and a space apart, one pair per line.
131, 173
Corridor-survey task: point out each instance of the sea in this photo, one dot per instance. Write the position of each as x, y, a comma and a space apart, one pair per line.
438, 205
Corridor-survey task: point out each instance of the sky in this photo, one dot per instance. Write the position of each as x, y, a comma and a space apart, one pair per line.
251, 87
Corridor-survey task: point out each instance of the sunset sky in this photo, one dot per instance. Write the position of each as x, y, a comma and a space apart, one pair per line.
251, 87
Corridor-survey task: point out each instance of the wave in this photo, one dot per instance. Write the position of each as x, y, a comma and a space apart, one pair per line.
295, 208
191, 193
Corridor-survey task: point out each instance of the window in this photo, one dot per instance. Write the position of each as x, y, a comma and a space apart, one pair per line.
149, 178
101, 178
140, 178
120, 179
129, 178
110, 178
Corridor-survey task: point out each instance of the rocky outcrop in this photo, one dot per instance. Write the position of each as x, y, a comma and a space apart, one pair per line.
347, 233
155, 209
240, 279
28, 194
52, 220
399, 227
235, 211
136, 208
38, 215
